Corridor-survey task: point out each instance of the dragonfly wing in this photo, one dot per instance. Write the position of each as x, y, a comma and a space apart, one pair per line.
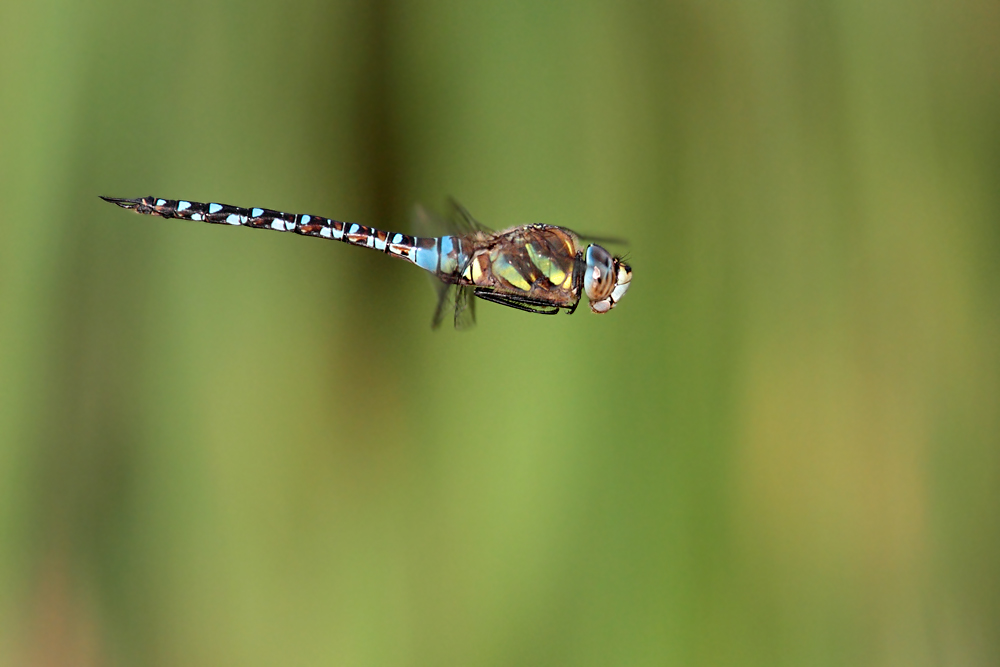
427, 223
462, 220
458, 222
444, 303
465, 307
609, 240
459, 302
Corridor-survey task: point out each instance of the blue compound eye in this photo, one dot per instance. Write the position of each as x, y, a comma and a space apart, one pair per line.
599, 278
612, 283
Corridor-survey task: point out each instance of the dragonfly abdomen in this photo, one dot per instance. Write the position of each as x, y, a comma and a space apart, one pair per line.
395, 244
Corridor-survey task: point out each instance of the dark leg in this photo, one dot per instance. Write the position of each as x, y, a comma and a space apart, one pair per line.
518, 303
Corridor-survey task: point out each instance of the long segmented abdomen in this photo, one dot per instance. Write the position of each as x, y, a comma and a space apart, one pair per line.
442, 256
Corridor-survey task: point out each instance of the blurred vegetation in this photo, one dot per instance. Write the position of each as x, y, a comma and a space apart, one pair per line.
219, 446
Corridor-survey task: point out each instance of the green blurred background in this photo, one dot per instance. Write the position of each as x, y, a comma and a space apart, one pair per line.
226, 447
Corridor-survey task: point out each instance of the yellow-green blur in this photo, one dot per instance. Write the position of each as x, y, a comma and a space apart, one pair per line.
222, 446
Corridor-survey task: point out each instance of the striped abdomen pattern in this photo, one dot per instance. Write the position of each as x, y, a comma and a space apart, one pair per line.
442, 256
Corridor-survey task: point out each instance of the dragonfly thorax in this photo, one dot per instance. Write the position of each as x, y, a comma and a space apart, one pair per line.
605, 280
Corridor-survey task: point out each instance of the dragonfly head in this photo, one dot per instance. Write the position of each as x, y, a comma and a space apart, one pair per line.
605, 280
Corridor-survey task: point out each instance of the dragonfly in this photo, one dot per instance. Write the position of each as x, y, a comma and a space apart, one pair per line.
535, 268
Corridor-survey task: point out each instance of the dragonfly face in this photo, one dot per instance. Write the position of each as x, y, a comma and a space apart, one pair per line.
605, 280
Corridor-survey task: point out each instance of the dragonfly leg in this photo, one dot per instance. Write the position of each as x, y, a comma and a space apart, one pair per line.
518, 303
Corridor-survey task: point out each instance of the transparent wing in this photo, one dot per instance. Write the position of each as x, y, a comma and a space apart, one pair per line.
462, 221
458, 221
609, 240
458, 301
443, 304
606, 240
428, 224
465, 307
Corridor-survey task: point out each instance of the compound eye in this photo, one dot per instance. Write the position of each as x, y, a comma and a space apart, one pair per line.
599, 279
